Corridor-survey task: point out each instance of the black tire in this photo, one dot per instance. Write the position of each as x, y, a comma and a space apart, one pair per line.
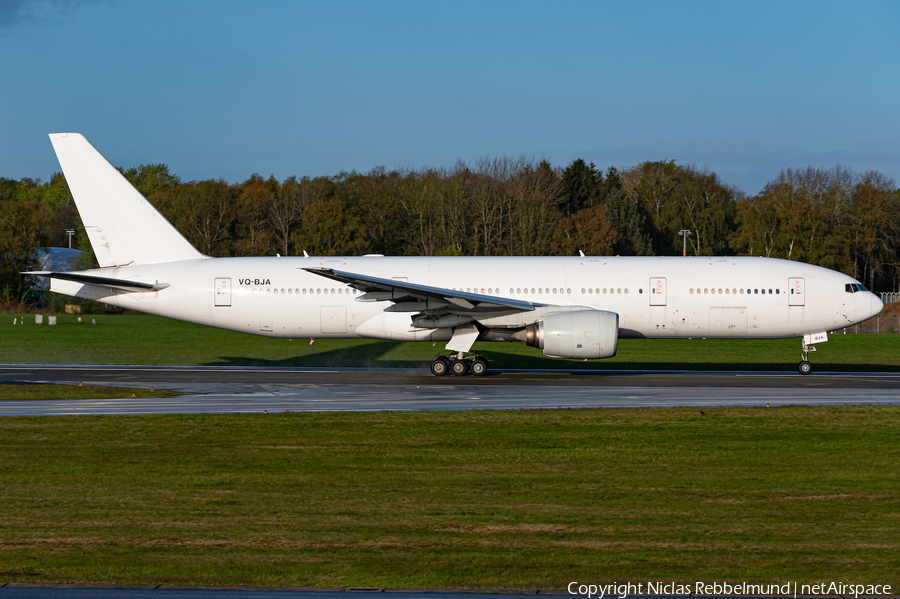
804, 368
459, 368
478, 367
440, 366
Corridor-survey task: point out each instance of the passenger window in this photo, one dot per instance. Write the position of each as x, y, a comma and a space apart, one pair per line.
720, 292
582, 290
626, 291
618, 291
692, 291
569, 290
770, 292
777, 291
532, 290
756, 291
705, 291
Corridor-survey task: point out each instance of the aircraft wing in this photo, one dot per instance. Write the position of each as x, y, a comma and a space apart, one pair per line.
107, 282
412, 297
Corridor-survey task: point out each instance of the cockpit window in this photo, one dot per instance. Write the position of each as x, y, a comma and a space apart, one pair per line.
854, 287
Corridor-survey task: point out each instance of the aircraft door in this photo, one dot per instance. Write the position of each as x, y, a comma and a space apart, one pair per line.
796, 292
223, 292
658, 291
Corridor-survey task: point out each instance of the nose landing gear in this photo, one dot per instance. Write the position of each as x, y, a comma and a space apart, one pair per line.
459, 365
805, 367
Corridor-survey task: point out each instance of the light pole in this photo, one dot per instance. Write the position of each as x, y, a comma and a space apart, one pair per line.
70, 232
684, 234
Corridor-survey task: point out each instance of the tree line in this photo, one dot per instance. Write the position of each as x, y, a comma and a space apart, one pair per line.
832, 217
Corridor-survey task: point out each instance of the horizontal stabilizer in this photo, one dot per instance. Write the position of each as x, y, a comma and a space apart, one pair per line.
122, 284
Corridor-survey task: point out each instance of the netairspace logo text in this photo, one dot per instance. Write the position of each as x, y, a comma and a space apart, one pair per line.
790, 589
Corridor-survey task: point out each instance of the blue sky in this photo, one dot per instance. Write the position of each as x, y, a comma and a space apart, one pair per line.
227, 89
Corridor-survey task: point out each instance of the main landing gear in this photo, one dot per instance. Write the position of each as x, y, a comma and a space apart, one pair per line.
459, 365
805, 367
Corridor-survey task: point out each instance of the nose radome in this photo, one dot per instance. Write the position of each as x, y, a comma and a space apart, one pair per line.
877, 304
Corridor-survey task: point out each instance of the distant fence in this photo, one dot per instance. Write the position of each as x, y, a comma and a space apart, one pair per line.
879, 324
889, 297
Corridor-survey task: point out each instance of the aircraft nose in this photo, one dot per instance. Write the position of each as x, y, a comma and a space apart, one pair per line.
877, 304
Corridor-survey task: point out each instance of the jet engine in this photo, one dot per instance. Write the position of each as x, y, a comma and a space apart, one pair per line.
576, 334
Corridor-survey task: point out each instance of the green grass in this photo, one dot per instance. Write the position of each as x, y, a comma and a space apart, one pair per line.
153, 340
531, 499
10, 392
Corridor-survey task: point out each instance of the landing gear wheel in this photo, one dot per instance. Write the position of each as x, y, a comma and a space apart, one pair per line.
479, 366
440, 366
459, 368
804, 367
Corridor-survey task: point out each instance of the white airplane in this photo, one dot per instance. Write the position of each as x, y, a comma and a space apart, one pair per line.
570, 307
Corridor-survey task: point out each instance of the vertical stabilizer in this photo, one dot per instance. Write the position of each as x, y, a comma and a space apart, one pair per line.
124, 228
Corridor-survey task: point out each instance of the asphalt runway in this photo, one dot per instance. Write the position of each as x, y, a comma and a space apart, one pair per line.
257, 390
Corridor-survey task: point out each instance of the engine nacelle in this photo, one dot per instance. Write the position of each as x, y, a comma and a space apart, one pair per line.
576, 334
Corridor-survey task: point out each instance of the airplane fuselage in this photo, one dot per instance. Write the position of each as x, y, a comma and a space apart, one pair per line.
655, 297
